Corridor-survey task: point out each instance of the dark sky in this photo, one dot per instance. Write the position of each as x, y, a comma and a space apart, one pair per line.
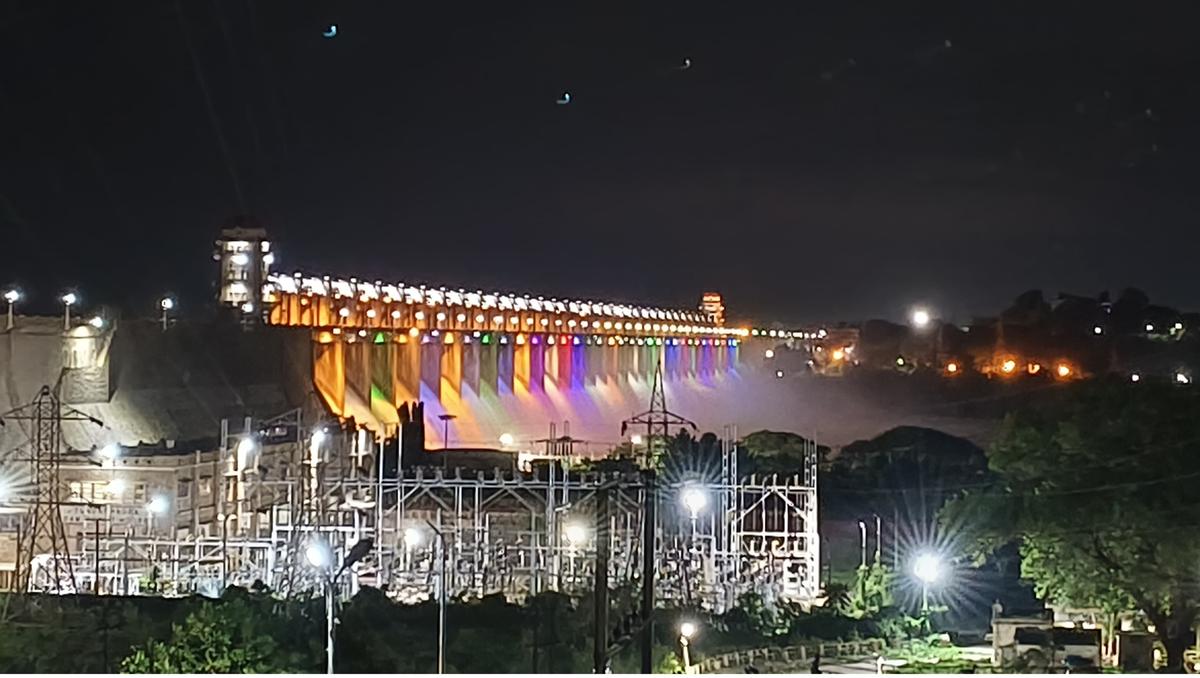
816, 161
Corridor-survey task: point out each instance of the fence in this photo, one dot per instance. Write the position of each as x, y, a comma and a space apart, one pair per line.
792, 654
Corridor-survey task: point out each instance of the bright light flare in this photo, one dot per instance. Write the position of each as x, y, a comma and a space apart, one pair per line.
158, 505
413, 537
694, 500
507, 439
166, 303
318, 555
839, 354
636, 439
952, 368
769, 353
576, 534
110, 452
927, 567
687, 629
920, 318
1063, 370
12, 296
1008, 366
69, 298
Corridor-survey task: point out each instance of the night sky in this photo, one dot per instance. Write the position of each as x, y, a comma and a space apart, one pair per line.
815, 161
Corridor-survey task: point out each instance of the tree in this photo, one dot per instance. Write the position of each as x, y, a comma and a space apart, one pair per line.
1099, 491
241, 633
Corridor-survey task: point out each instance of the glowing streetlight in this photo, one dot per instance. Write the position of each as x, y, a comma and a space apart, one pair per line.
952, 368
158, 505
686, 630
12, 297
1149, 327
245, 451
1135, 377
1097, 330
1008, 366
1063, 370
166, 304
318, 555
768, 354
506, 439
116, 487
576, 534
920, 318
779, 374
694, 500
96, 321
413, 537
928, 569
1182, 378
110, 452
69, 299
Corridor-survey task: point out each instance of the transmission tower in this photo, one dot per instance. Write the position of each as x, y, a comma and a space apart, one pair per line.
658, 421
45, 535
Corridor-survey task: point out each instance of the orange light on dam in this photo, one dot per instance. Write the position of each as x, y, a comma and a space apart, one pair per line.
323, 302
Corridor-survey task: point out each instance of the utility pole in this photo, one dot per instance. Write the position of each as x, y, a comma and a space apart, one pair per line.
649, 531
600, 586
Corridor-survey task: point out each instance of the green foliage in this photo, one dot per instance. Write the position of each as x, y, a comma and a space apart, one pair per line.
239, 634
872, 592
775, 452
1100, 492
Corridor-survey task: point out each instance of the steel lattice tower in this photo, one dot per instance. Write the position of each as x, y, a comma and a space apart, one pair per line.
45, 534
657, 420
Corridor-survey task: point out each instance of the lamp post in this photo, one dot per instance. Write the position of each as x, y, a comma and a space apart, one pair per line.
166, 304
69, 299
446, 419
686, 630
12, 297
320, 556
157, 506
441, 645
927, 568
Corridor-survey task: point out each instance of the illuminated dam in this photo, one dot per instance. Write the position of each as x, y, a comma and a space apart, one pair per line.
500, 364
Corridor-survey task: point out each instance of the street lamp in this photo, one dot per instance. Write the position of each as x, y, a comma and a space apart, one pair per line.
446, 419
166, 304
686, 630
920, 318
321, 557
441, 646
12, 297
576, 534
927, 568
110, 452
694, 500
69, 299
157, 506
96, 321
245, 451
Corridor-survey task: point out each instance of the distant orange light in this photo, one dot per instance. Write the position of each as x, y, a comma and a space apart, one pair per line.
1008, 366
838, 354
1063, 370
1034, 368
952, 368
